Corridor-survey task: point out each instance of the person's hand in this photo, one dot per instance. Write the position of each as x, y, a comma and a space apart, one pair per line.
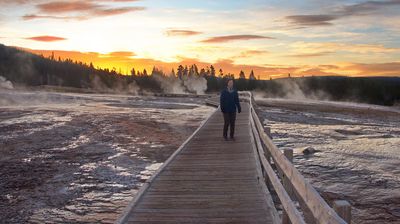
239, 110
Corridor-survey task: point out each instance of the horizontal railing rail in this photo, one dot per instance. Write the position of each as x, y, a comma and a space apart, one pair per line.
289, 185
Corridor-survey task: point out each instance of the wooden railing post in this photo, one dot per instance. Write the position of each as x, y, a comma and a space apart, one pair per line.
267, 154
286, 184
289, 154
268, 131
268, 157
343, 209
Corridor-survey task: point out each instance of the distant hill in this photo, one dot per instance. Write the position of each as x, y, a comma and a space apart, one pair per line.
27, 69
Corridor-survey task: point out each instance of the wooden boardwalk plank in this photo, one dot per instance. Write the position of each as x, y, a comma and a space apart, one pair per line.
209, 181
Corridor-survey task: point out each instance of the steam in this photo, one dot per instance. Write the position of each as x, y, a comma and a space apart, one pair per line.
188, 84
119, 87
5, 84
170, 84
37, 98
132, 88
196, 84
291, 89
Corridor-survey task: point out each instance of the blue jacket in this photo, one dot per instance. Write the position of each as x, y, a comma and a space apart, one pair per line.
229, 101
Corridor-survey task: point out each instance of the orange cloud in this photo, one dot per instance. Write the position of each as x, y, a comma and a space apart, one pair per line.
182, 32
222, 39
375, 69
78, 9
46, 38
251, 53
310, 55
122, 54
66, 6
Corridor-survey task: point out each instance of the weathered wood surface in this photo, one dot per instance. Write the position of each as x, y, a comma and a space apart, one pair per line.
314, 208
209, 180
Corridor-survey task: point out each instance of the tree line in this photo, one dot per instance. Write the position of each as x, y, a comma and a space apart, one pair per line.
23, 68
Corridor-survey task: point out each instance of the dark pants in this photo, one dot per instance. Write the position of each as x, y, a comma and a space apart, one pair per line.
229, 120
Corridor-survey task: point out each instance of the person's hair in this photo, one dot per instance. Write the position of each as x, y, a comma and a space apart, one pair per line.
229, 79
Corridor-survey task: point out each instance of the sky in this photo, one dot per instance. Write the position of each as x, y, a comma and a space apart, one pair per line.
271, 37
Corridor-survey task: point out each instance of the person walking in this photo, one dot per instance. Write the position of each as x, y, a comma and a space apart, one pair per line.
229, 102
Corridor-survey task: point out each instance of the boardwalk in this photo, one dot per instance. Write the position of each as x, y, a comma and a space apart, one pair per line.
210, 180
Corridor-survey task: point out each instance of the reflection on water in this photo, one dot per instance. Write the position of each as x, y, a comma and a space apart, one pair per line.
80, 158
356, 158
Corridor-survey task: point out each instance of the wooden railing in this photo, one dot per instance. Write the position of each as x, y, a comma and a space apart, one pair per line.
289, 185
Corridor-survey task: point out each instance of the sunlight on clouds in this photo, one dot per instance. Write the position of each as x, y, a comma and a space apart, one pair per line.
164, 34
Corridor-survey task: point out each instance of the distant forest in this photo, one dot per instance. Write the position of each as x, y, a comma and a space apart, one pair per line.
27, 69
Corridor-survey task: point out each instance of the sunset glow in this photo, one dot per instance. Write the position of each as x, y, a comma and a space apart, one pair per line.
273, 38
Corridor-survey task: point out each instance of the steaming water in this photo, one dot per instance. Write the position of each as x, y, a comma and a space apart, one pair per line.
357, 152
80, 158
5, 84
190, 84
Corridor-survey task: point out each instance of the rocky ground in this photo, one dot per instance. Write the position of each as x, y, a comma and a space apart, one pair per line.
80, 158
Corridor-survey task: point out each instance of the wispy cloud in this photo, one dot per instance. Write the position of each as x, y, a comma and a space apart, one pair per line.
22, 2
366, 8
18, 2
78, 9
120, 54
311, 20
66, 6
326, 19
115, 11
253, 52
229, 38
250, 53
176, 32
310, 55
116, 0
34, 16
46, 38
